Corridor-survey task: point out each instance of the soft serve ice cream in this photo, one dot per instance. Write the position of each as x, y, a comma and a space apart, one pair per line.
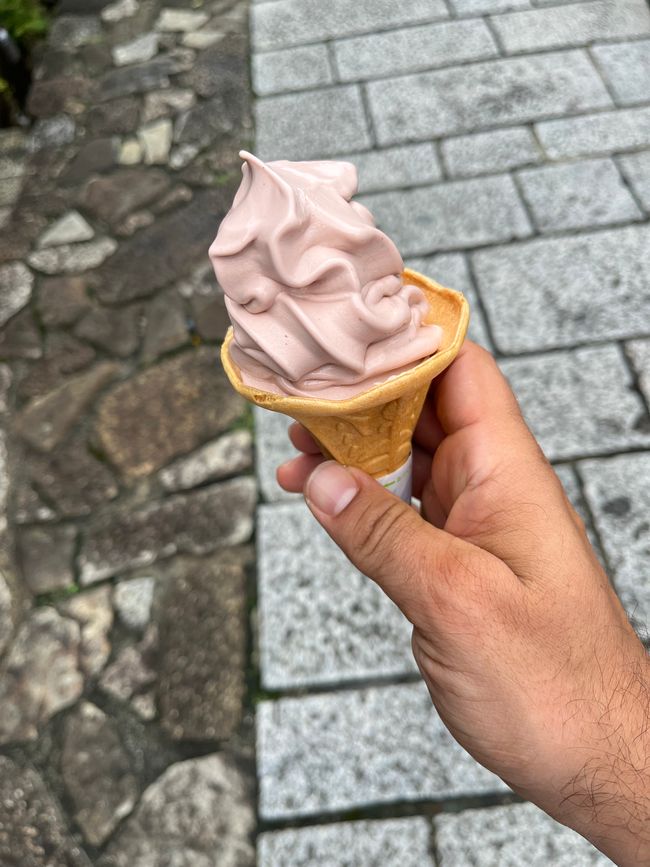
313, 289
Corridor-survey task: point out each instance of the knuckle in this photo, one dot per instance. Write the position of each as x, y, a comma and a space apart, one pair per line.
380, 532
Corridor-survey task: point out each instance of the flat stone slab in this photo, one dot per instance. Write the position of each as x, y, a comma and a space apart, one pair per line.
639, 352
298, 68
468, 98
166, 411
197, 523
487, 152
320, 620
312, 21
626, 67
580, 403
406, 842
427, 219
557, 292
510, 837
636, 168
603, 133
405, 166
339, 751
33, 829
199, 810
579, 195
618, 493
272, 448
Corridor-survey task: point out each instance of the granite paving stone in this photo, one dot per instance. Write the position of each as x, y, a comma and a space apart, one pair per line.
172, 408
482, 7
272, 448
338, 751
198, 809
115, 330
579, 195
580, 402
626, 67
138, 50
414, 48
112, 197
428, 219
20, 338
130, 677
558, 292
63, 355
298, 68
636, 168
167, 326
119, 9
406, 842
198, 523
593, 134
97, 773
291, 126
203, 38
450, 269
34, 833
62, 300
489, 94
201, 659
117, 117
227, 456
17, 282
571, 24
97, 155
320, 620
618, 494
46, 555
406, 166
162, 103
56, 95
73, 31
488, 152
639, 352
137, 78
183, 20
52, 133
312, 21
40, 674
156, 141
510, 836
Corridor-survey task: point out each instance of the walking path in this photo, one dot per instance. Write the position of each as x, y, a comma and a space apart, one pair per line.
506, 149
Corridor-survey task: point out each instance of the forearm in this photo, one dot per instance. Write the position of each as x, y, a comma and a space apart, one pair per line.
608, 801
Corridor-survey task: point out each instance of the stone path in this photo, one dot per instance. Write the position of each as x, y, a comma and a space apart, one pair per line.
505, 145
126, 487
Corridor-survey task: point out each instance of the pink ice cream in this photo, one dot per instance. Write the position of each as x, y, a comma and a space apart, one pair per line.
312, 287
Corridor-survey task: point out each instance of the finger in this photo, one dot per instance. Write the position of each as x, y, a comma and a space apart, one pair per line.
412, 561
432, 510
293, 474
303, 440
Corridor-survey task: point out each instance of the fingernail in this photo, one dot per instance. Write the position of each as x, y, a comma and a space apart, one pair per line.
330, 488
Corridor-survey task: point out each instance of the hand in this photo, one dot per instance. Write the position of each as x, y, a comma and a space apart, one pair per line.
527, 653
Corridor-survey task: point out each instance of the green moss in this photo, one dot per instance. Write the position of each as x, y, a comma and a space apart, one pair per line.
57, 595
25, 20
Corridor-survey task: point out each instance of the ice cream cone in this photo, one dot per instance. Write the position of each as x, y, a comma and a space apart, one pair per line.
373, 430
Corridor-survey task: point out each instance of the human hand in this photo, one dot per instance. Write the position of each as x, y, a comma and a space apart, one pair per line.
526, 651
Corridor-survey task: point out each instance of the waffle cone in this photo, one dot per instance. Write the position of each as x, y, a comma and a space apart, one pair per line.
372, 430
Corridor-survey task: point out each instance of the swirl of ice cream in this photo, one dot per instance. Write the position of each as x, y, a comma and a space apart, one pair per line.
313, 288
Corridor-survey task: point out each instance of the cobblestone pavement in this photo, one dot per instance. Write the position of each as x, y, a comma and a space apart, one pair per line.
505, 146
126, 696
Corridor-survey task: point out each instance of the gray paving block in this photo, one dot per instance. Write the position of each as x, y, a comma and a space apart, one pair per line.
483, 7
314, 124
294, 22
626, 67
381, 843
272, 448
572, 24
292, 69
487, 152
578, 195
639, 352
618, 492
338, 751
604, 133
413, 48
457, 214
320, 620
405, 166
511, 837
468, 98
557, 292
450, 269
636, 168
579, 403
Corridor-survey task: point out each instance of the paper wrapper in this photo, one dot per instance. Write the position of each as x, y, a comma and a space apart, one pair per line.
373, 430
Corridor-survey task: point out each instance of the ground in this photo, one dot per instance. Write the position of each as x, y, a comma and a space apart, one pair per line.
167, 687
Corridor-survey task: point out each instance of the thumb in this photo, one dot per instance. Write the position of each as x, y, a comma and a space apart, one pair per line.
387, 540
